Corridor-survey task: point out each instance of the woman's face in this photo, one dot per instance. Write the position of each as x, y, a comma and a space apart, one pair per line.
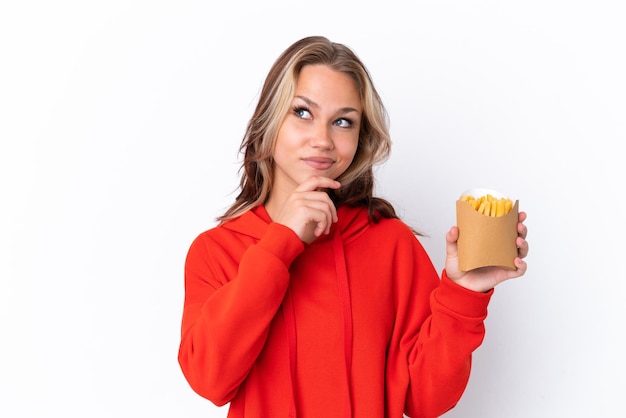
320, 133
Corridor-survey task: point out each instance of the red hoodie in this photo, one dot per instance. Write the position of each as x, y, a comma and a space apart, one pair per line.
355, 324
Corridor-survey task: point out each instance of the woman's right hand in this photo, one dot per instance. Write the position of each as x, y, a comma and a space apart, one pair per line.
309, 211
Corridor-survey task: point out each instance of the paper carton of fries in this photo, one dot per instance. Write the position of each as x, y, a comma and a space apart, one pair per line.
487, 222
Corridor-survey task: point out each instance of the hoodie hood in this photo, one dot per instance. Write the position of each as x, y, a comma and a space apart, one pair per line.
352, 222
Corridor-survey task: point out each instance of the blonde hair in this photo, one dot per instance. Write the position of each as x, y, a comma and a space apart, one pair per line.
274, 102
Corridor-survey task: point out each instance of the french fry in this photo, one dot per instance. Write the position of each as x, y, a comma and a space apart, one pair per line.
508, 205
494, 208
481, 208
500, 207
487, 208
489, 205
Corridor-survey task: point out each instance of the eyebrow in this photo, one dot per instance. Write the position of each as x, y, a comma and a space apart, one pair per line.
315, 105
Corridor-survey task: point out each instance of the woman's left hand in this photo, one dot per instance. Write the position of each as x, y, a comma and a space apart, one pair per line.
485, 278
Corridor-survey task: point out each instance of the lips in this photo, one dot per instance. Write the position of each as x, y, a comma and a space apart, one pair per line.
319, 163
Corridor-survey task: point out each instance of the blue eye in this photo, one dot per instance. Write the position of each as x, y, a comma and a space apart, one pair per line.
302, 112
344, 123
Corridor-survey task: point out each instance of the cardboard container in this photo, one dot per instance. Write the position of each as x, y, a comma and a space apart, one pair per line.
486, 240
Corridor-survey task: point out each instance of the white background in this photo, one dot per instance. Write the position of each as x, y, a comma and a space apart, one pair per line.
119, 128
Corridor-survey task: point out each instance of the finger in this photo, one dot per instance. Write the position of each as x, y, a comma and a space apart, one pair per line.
522, 230
323, 214
319, 200
521, 267
316, 183
451, 242
522, 247
452, 262
453, 234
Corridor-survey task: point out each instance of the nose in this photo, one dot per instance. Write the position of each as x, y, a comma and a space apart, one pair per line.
321, 138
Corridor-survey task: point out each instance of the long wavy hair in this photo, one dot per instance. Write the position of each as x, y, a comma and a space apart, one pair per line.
257, 146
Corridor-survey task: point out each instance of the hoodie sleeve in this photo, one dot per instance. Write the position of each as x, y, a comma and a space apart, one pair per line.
440, 324
232, 293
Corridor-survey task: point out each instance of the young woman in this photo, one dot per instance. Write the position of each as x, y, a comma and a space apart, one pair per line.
311, 298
